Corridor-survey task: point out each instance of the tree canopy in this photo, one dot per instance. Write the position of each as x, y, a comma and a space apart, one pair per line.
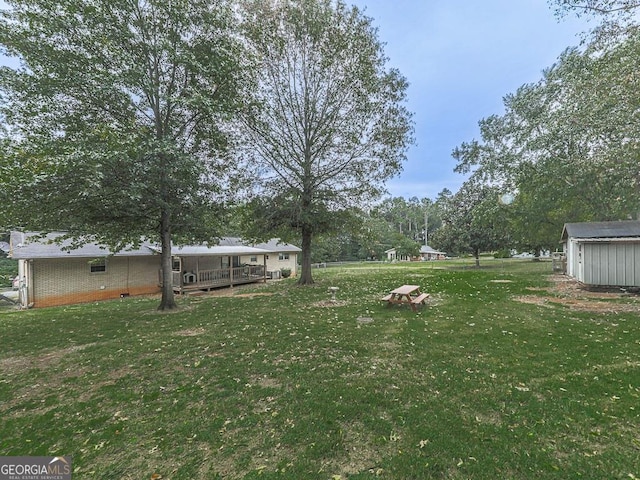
118, 118
330, 125
566, 146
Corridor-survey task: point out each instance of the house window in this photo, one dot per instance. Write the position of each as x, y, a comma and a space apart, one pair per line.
176, 267
254, 259
283, 256
99, 265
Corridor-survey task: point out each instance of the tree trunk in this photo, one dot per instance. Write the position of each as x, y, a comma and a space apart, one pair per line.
305, 274
476, 255
168, 301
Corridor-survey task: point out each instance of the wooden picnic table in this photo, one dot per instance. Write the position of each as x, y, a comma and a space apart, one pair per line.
406, 295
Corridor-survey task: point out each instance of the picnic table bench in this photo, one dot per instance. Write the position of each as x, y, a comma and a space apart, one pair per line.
406, 295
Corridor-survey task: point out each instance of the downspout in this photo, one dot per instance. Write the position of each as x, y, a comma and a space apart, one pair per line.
29, 293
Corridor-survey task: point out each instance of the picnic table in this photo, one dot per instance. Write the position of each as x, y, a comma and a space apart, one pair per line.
406, 295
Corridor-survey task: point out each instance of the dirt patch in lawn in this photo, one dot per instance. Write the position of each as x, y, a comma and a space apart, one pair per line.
576, 296
329, 303
190, 332
43, 361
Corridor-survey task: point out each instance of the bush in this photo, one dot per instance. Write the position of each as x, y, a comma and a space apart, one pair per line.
285, 272
8, 271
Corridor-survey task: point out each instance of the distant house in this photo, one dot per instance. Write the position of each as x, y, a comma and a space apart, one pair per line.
52, 273
428, 253
394, 256
603, 253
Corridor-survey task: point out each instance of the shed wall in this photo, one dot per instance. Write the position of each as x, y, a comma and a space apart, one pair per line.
615, 264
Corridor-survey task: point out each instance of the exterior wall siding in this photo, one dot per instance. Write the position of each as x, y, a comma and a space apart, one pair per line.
70, 280
273, 263
615, 264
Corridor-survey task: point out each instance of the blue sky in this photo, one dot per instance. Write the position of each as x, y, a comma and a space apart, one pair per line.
461, 57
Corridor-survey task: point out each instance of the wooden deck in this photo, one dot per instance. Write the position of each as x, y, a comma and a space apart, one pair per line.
225, 277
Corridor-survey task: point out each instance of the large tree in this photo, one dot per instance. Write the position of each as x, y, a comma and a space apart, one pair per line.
116, 117
566, 145
474, 221
330, 126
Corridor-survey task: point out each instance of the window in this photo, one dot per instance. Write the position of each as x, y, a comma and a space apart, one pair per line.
283, 256
176, 266
99, 265
254, 259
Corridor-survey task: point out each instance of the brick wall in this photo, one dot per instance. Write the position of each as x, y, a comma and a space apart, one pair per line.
70, 280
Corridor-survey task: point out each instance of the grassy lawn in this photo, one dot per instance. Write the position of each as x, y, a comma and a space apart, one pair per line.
502, 376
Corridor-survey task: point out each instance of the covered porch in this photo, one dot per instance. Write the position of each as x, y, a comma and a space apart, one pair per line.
205, 268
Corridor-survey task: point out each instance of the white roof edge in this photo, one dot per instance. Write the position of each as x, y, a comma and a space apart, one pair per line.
605, 239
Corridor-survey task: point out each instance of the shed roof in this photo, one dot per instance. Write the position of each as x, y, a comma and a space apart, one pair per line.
623, 229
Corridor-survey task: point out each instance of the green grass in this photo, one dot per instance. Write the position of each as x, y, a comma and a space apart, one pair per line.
283, 384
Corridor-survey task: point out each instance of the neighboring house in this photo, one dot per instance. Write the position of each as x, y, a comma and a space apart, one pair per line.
394, 256
53, 274
603, 253
428, 253
4, 247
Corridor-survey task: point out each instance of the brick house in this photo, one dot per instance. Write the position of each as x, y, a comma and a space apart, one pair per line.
52, 273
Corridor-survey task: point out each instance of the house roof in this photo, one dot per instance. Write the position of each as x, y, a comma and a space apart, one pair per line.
589, 230
33, 245
428, 249
275, 245
203, 250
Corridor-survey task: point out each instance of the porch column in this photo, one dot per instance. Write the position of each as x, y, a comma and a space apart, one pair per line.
230, 270
264, 270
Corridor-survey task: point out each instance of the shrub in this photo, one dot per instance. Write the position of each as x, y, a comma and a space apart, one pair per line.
285, 272
8, 270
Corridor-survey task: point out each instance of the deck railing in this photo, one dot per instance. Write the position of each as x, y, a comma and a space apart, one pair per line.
205, 279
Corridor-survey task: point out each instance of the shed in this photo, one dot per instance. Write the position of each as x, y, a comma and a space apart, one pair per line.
603, 253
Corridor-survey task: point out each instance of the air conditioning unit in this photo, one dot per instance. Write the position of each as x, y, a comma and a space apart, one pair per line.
273, 274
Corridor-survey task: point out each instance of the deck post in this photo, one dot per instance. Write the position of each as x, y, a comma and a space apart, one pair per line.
230, 271
264, 270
